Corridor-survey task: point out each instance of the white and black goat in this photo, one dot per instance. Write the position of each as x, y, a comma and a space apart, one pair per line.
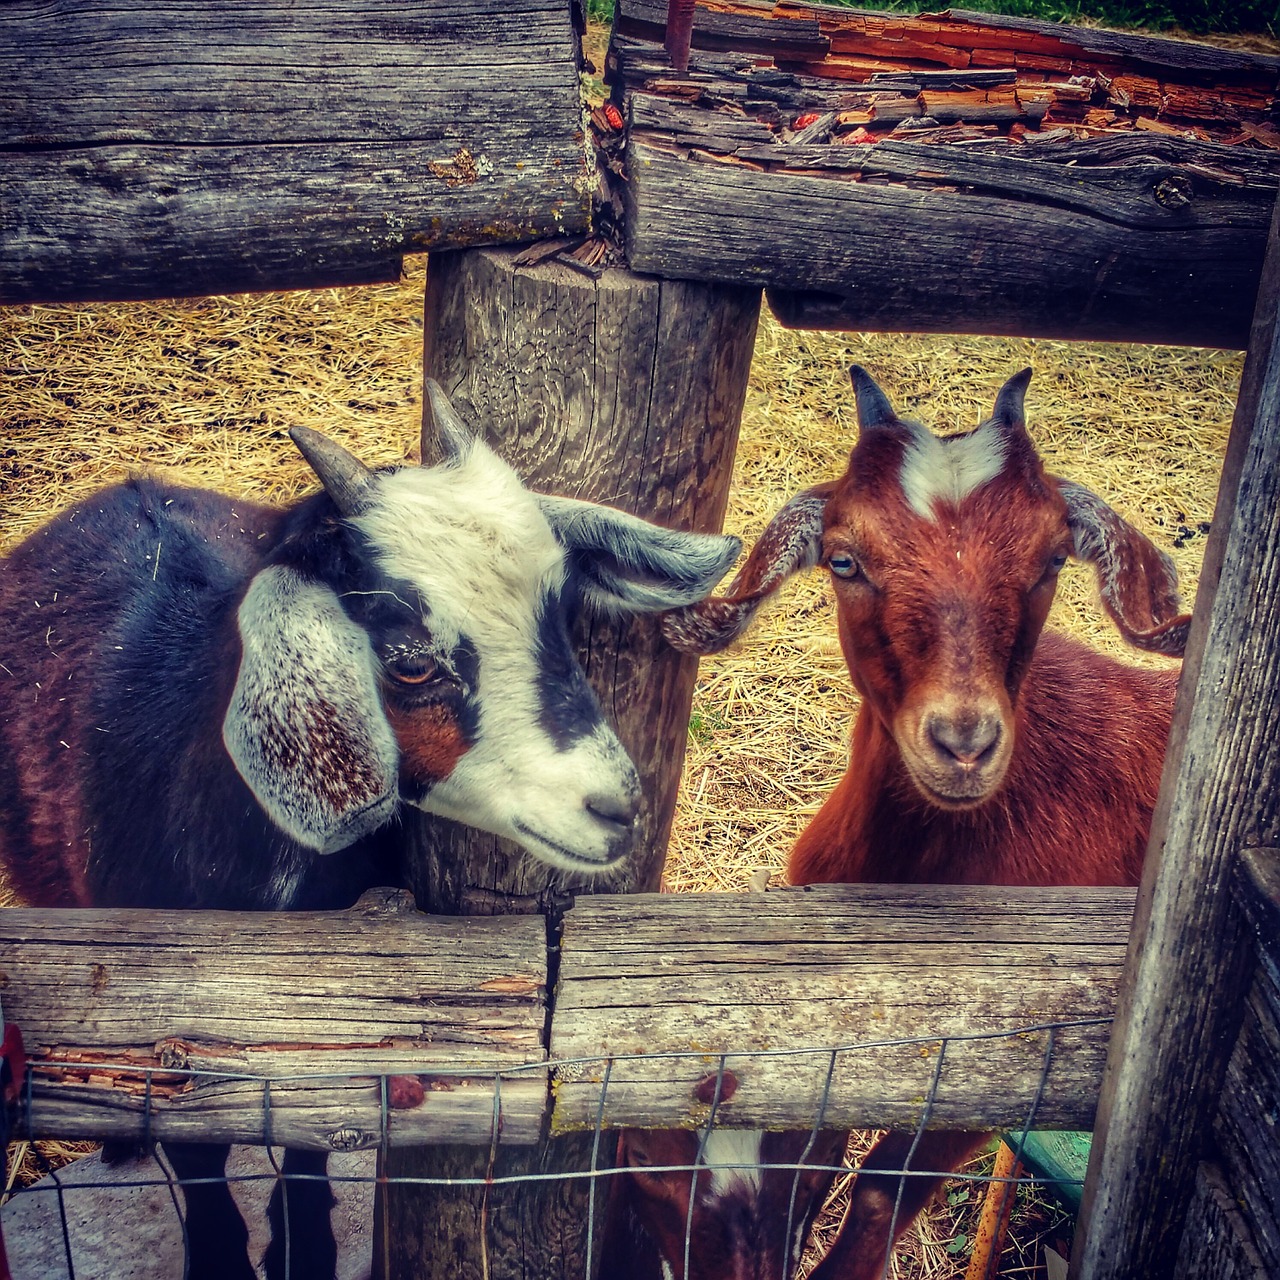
210, 703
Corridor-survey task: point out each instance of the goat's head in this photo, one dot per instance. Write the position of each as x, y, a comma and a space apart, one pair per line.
407, 641
749, 1221
944, 555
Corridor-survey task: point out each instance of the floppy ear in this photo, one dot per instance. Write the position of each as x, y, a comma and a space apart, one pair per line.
305, 726
630, 564
1138, 582
793, 541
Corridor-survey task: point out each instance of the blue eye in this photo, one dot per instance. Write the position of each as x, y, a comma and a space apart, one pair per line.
843, 566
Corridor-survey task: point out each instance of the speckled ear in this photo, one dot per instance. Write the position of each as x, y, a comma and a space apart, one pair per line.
793, 541
1137, 581
305, 727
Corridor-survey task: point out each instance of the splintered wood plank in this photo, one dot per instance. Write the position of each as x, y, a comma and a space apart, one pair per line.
771, 984
166, 148
976, 176
1033, 249
727, 26
184, 1025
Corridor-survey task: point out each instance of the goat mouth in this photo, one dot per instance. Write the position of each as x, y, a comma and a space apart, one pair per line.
535, 841
957, 804
969, 793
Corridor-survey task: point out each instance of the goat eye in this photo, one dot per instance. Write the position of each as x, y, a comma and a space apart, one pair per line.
843, 566
1056, 562
415, 671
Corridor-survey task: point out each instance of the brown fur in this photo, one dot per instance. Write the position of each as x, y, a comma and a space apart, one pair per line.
740, 1235
430, 739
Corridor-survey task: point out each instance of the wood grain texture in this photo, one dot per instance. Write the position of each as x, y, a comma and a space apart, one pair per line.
625, 391
754, 27
167, 149
620, 390
1190, 957
1244, 1127
809, 970
108, 999
775, 29
1031, 246
1218, 1245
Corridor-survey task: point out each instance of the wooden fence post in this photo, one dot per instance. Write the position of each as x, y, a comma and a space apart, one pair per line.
1181, 1002
623, 390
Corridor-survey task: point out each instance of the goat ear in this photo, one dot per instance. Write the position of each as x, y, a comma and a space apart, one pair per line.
1138, 582
630, 564
793, 541
305, 726
1010, 411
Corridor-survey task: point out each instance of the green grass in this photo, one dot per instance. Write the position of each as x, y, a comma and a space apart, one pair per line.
1157, 15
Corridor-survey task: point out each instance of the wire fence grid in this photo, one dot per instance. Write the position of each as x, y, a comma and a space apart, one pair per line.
64, 1187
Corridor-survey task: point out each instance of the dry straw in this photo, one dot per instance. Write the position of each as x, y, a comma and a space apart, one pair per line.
205, 389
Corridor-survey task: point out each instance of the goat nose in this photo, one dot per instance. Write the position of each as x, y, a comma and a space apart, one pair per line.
614, 809
967, 740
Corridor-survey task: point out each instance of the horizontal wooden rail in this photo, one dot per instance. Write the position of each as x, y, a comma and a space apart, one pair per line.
771, 985
171, 1023
156, 149
952, 172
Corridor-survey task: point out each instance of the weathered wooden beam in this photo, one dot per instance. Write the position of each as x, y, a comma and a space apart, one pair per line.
170, 1023
753, 27
768, 985
621, 390
1181, 1007
998, 176
1249, 1102
171, 149
775, 29
903, 237
772, 983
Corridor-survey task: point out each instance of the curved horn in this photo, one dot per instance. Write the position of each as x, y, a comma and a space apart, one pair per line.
874, 409
1009, 411
452, 434
345, 478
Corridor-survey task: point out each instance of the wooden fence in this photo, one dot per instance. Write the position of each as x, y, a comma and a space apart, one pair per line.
153, 150
169, 1022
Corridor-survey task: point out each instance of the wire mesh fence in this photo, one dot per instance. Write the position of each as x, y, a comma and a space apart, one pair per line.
64, 1225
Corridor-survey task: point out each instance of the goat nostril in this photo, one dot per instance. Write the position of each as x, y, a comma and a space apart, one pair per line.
965, 742
615, 810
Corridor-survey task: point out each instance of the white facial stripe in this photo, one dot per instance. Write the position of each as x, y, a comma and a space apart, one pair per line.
728, 1147
949, 468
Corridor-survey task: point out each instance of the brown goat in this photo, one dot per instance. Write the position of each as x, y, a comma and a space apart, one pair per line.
981, 753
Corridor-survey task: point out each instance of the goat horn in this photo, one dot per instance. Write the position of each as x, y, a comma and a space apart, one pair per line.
874, 409
1009, 410
345, 478
451, 434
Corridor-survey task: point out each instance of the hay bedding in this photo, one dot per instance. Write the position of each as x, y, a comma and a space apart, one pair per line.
204, 390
